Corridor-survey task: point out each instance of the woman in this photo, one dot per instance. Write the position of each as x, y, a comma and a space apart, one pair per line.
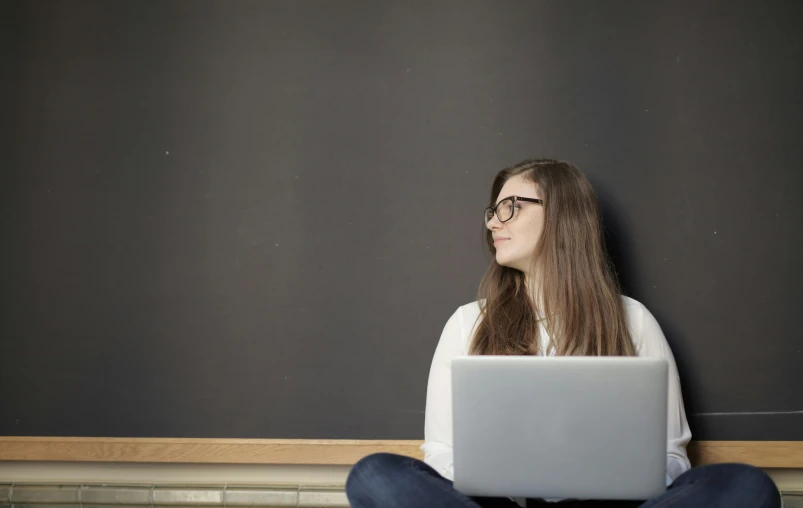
550, 290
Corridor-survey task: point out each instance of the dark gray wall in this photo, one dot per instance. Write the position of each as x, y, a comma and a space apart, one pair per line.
252, 219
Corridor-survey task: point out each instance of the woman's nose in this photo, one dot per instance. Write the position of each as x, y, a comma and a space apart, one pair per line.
494, 224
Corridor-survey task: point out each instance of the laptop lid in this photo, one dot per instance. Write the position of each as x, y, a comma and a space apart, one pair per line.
560, 427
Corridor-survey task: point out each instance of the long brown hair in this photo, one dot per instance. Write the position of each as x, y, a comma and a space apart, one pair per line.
578, 294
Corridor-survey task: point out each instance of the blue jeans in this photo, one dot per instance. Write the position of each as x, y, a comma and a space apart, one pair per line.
385, 480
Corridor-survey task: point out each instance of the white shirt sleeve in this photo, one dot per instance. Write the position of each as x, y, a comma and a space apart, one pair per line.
438, 442
652, 342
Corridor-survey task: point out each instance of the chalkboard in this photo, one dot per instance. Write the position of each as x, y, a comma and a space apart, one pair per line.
252, 219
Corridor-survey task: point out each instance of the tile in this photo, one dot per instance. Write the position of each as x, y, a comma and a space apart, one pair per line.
44, 494
100, 506
188, 496
320, 497
5, 493
44, 505
793, 500
115, 495
261, 496
172, 506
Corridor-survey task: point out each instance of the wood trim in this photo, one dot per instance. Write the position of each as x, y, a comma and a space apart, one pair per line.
767, 454
205, 451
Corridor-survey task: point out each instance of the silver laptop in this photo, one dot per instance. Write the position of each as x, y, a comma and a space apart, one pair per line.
560, 427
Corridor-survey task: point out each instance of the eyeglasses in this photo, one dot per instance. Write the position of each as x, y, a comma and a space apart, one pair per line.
505, 208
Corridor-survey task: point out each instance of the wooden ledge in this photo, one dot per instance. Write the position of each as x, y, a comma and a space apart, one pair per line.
203, 451
767, 454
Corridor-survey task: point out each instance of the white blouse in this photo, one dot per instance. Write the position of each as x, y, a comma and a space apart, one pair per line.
455, 341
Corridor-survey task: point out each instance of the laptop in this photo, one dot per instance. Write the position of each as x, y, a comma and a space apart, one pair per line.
560, 427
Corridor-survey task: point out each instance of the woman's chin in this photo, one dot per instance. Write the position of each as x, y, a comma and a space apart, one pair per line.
507, 262
504, 261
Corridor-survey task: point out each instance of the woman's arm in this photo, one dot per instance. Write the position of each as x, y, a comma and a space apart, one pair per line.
438, 443
652, 342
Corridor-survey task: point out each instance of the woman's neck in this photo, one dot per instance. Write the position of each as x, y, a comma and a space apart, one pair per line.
534, 291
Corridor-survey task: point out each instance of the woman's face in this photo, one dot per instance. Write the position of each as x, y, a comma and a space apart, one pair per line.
515, 240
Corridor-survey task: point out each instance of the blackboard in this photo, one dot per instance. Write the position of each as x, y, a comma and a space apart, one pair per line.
252, 219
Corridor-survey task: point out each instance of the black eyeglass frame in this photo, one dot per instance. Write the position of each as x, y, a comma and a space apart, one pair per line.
513, 204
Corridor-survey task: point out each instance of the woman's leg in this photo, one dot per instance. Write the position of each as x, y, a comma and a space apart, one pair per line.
386, 480
597, 504
720, 486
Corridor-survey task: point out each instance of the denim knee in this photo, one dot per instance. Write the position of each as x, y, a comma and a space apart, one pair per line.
763, 490
373, 477
735, 484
